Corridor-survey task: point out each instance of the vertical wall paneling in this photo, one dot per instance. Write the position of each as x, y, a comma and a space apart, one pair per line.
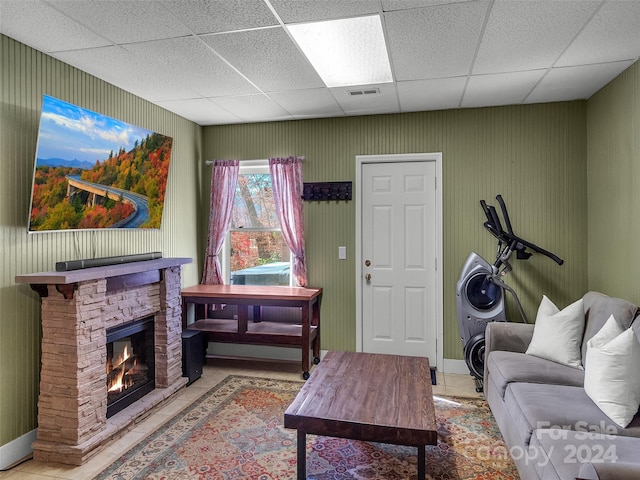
613, 177
25, 76
533, 155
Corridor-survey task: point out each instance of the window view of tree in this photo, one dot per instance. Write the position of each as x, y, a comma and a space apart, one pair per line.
258, 254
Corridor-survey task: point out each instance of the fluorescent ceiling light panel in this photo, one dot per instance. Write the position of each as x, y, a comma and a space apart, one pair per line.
345, 52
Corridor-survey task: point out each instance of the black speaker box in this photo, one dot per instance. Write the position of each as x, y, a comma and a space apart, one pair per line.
193, 353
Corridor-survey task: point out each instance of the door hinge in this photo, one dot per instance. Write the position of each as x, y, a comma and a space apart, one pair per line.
435, 179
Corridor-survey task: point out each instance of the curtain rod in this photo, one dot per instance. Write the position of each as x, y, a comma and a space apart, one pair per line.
210, 162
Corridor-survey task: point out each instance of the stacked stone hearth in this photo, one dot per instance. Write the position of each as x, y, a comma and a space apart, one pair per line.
72, 406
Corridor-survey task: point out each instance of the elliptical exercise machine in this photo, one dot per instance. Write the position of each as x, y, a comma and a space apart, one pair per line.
479, 291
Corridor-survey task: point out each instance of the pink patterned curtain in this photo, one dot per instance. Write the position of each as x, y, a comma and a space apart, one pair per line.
224, 177
286, 177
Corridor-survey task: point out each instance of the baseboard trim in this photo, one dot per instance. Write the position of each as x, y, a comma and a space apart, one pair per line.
17, 450
451, 365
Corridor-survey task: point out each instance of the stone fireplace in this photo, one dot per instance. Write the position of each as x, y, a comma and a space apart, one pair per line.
82, 310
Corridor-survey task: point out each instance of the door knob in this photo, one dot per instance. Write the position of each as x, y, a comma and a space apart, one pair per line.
367, 277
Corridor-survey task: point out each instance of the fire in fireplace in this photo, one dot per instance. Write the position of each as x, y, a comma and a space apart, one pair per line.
130, 363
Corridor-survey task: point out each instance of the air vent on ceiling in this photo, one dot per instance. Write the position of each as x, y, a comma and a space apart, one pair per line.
368, 91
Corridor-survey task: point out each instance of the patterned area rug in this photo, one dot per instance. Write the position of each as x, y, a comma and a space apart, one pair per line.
235, 431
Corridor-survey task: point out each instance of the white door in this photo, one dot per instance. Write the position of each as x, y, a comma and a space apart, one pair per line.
399, 258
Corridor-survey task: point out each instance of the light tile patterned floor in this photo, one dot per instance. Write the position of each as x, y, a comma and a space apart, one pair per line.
214, 372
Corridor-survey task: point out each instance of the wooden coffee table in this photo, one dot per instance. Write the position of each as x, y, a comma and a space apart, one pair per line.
369, 397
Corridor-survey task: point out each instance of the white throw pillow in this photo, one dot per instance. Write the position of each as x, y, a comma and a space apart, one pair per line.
557, 335
611, 377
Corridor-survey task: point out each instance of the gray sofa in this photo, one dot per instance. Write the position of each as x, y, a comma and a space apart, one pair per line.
552, 428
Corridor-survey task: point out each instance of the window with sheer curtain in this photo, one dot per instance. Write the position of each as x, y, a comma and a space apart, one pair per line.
255, 252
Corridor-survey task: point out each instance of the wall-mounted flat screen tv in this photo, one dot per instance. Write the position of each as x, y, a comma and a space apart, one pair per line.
96, 172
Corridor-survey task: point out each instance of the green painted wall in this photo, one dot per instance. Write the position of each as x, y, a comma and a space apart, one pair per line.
533, 155
613, 165
25, 75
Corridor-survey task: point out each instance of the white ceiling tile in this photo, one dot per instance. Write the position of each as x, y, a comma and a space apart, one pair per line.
300, 102
500, 88
213, 16
434, 42
268, 58
384, 102
599, 43
529, 35
293, 11
253, 108
123, 69
390, 5
190, 61
151, 48
438, 94
201, 111
572, 83
38, 25
123, 21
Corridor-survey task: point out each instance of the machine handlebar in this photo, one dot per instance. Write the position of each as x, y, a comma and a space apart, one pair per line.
508, 237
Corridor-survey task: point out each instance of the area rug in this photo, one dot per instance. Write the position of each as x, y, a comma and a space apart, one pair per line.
235, 431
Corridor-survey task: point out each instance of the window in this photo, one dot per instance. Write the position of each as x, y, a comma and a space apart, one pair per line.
255, 251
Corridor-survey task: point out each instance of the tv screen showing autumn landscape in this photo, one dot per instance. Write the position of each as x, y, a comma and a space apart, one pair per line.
95, 172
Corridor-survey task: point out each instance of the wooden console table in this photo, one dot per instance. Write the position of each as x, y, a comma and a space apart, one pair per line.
305, 335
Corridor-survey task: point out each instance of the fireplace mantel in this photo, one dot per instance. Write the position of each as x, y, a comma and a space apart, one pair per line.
136, 273
92, 273
78, 307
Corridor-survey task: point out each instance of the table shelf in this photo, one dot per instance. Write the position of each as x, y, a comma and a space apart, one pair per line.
304, 334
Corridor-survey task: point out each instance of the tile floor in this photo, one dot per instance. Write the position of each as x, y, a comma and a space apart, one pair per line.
214, 372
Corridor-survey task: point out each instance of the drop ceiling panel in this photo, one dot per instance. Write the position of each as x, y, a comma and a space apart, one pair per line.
294, 11
253, 108
439, 49
190, 61
201, 111
529, 35
124, 21
434, 42
384, 102
300, 102
390, 5
38, 25
437, 94
119, 67
213, 16
268, 58
599, 43
571, 83
500, 88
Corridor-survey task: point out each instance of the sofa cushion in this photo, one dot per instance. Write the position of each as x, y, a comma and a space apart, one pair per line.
611, 379
536, 406
597, 310
557, 334
506, 367
610, 471
556, 453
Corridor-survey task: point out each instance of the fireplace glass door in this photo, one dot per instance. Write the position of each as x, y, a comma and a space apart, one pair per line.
130, 364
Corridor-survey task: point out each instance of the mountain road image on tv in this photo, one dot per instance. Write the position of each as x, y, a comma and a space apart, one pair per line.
96, 172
